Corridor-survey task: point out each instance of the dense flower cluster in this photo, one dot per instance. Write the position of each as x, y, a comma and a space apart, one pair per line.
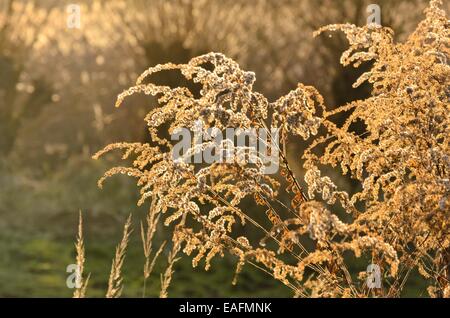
399, 216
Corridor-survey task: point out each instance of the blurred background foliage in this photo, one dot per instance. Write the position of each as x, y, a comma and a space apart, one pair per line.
57, 90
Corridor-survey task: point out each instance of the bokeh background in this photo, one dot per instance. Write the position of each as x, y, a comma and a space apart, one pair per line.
58, 85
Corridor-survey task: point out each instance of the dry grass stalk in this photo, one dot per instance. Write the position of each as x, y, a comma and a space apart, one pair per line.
147, 241
80, 291
115, 285
166, 278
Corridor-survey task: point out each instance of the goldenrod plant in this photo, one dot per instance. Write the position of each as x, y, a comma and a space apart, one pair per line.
398, 216
399, 213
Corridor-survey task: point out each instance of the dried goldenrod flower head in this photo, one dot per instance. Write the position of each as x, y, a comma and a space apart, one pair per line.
398, 217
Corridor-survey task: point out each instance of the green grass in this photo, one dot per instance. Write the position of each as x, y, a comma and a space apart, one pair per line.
36, 267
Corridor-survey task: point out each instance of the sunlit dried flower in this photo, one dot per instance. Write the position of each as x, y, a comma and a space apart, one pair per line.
398, 215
